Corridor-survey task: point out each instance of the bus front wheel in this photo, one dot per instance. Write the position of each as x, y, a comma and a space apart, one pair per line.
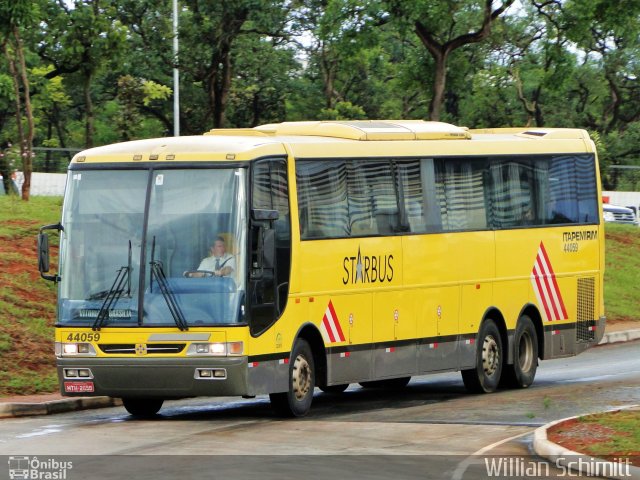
142, 407
525, 356
485, 377
296, 402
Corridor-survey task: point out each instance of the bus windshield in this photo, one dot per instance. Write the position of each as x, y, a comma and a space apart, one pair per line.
153, 248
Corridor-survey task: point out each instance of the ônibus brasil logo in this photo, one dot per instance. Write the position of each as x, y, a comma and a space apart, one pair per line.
28, 468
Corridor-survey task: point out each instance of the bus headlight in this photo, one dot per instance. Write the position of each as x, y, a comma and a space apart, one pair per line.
74, 350
217, 349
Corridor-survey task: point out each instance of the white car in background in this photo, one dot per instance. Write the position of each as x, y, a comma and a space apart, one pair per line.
618, 214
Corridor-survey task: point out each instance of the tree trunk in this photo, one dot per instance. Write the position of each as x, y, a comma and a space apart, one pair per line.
328, 67
224, 86
88, 128
16, 87
27, 159
440, 51
439, 84
5, 169
59, 133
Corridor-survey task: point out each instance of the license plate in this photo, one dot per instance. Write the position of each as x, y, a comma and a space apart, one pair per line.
78, 387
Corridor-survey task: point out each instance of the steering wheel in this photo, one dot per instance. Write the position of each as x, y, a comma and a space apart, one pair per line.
198, 273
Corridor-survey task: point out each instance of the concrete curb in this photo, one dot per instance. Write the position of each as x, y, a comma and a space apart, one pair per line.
24, 409
574, 461
623, 336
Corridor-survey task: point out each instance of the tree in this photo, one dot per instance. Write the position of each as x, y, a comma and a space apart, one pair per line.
16, 15
609, 36
82, 40
335, 36
260, 90
51, 99
132, 94
208, 35
443, 27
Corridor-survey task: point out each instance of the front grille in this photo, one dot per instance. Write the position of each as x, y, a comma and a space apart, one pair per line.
624, 217
141, 348
586, 323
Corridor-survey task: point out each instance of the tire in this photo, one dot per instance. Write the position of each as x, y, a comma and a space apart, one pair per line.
142, 407
390, 384
334, 389
297, 401
525, 356
485, 377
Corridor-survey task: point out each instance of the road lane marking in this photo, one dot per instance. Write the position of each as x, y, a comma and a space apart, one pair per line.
473, 460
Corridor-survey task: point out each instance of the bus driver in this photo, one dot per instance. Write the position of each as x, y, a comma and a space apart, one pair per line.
221, 263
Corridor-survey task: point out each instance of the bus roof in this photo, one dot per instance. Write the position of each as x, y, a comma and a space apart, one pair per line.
361, 138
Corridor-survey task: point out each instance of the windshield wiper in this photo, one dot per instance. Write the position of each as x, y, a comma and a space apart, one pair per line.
167, 293
98, 295
123, 278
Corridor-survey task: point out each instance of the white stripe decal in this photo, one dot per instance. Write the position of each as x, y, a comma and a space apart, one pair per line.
545, 287
330, 326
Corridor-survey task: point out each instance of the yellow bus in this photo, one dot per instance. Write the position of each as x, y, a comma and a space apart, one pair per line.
291, 256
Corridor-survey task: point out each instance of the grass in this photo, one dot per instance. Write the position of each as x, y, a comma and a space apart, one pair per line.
625, 440
611, 435
20, 219
28, 303
622, 272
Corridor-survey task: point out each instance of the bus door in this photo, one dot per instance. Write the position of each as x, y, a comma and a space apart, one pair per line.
270, 244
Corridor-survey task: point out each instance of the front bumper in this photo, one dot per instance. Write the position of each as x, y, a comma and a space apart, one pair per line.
154, 377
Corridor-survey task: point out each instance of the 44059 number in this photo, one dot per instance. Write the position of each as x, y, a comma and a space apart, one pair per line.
83, 337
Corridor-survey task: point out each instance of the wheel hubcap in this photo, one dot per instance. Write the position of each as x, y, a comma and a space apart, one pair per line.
301, 377
490, 355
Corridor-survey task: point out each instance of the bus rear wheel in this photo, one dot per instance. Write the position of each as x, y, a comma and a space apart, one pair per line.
485, 377
525, 356
296, 402
142, 407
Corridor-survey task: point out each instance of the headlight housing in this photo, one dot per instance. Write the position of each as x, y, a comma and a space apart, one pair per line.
64, 349
216, 349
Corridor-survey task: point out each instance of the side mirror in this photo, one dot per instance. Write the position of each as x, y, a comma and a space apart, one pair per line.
43, 252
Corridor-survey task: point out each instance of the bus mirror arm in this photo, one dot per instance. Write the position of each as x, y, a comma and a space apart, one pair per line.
43, 252
259, 214
268, 249
265, 251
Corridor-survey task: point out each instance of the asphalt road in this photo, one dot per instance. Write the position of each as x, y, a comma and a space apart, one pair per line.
431, 429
